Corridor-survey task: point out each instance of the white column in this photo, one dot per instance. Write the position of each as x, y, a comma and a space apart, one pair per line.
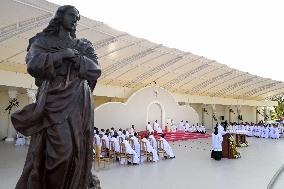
265, 114
12, 94
32, 94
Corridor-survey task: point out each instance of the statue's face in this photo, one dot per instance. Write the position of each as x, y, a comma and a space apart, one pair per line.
70, 19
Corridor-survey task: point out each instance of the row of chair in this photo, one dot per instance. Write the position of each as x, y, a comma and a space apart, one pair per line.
102, 154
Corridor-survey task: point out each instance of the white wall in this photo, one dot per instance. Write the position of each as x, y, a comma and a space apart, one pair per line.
139, 105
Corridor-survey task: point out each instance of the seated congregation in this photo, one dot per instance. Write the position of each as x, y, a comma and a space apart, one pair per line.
172, 127
260, 130
128, 147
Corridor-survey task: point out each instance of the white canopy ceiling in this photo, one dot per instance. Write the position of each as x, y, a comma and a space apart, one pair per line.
128, 61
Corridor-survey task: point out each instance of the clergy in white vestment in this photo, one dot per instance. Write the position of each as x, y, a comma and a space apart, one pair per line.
136, 143
159, 131
112, 131
193, 129
217, 140
129, 150
180, 126
105, 137
173, 127
114, 139
156, 125
132, 130
265, 132
154, 141
123, 136
167, 147
102, 131
20, 140
203, 129
149, 128
187, 127
257, 131
126, 133
250, 131
150, 149
275, 132
97, 138
119, 132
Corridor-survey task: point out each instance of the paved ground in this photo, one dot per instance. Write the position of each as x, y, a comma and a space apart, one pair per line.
192, 168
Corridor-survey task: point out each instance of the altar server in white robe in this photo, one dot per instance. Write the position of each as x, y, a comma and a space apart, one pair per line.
129, 150
136, 143
217, 140
221, 129
150, 149
149, 128
154, 141
167, 147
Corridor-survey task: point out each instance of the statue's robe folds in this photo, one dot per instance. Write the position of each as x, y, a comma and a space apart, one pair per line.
60, 122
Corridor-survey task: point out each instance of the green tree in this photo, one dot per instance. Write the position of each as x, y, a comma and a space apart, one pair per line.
279, 109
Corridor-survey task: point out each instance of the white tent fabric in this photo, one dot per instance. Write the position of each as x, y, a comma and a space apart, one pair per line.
128, 61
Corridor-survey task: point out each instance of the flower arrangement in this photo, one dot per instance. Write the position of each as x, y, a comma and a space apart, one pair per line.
245, 144
233, 148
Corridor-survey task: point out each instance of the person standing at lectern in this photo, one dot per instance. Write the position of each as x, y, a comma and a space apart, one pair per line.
217, 140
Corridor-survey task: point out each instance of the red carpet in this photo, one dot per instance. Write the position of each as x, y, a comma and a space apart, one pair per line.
175, 136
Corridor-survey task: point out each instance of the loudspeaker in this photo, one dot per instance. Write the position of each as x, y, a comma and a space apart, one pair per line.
222, 118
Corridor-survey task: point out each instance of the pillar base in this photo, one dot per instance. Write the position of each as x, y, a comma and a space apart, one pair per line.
9, 139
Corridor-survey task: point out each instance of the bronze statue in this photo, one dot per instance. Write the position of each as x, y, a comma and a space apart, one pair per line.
60, 123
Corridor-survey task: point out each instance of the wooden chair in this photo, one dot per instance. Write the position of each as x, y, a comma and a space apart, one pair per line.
120, 140
161, 148
104, 149
124, 155
144, 152
112, 152
131, 142
97, 157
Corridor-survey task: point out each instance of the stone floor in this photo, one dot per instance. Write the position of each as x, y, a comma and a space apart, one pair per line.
192, 168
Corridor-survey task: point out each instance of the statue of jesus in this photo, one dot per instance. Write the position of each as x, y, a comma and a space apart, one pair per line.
60, 122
